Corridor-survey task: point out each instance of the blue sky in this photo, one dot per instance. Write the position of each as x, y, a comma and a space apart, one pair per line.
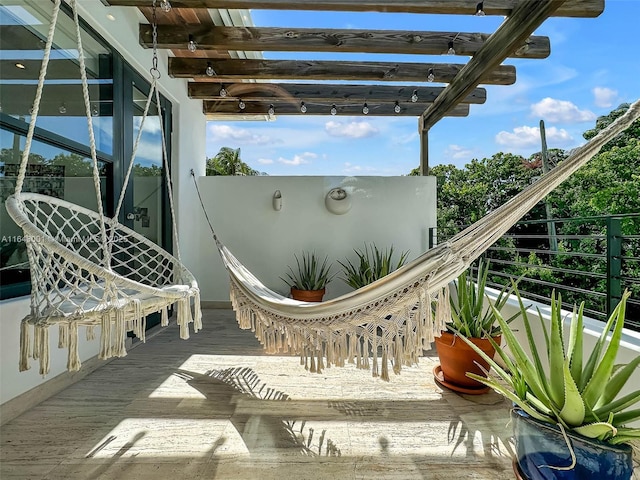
593, 67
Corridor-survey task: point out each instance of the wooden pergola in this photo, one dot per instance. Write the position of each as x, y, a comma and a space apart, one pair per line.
232, 87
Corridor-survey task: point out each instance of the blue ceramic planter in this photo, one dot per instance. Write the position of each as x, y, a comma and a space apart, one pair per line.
540, 445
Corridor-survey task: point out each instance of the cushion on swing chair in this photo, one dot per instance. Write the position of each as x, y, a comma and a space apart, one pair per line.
77, 281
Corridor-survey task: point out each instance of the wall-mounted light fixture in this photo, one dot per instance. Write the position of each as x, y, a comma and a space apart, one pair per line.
338, 201
277, 200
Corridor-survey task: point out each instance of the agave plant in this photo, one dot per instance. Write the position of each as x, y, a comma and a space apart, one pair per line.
579, 395
311, 274
468, 313
372, 265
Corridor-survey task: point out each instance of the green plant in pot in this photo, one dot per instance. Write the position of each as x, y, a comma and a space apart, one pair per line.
471, 317
309, 280
570, 418
372, 264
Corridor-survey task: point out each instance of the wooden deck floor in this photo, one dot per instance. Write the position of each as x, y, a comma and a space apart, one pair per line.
216, 407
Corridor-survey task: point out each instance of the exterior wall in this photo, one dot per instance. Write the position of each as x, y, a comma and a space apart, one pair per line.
188, 151
394, 211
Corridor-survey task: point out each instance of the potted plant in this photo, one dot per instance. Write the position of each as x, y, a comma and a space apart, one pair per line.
309, 280
372, 264
471, 317
569, 420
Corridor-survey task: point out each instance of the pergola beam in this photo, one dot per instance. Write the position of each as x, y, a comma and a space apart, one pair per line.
213, 107
325, 93
333, 40
238, 70
525, 18
572, 8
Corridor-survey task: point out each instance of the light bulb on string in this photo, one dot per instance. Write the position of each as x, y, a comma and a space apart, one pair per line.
480, 10
62, 108
334, 110
271, 111
431, 76
365, 108
223, 91
303, 107
451, 50
241, 105
397, 107
165, 5
94, 110
210, 71
414, 96
192, 46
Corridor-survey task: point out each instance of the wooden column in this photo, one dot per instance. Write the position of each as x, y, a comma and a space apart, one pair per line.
424, 148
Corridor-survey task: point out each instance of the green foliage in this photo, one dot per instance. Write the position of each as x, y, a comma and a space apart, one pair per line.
576, 393
227, 162
468, 313
310, 274
150, 171
372, 264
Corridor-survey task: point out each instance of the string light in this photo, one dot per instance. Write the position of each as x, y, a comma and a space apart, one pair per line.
334, 110
62, 108
365, 108
94, 110
414, 96
210, 71
241, 105
303, 107
397, 108
480, 10
431, 76
223, 91
165, 6
192, 46
451, 50
271, 111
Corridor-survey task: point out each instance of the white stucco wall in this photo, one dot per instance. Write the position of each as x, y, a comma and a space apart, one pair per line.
394, 211
188, 151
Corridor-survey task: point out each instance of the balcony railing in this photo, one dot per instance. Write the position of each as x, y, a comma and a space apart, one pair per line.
590, 259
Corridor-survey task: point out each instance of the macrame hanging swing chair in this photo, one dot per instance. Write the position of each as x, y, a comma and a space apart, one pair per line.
389, 321
88, 269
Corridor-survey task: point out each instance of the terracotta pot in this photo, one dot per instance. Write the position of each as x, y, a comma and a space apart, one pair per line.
457, 358
307, 295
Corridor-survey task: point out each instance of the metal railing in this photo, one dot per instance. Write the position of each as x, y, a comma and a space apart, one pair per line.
595, 260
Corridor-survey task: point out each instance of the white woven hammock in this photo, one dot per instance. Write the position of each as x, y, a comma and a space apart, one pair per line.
90, 270
390, 318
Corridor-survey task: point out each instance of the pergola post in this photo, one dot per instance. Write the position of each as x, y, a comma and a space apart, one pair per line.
424, 148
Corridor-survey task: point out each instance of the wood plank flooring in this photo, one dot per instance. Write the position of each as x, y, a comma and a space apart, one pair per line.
216, 407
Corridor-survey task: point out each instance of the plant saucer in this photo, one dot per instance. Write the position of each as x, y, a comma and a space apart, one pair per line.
438, 376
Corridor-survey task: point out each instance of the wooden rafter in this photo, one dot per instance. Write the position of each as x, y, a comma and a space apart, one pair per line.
326, 93
334, 40
238, 70
524, 19
213, 107
572, 8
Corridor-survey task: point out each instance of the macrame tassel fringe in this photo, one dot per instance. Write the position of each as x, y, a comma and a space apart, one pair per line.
385, 366
73, 357
120, 334
90, 333
184, 315
42, 334
25, 346
105, 337
164, 317
197, 312
63, 335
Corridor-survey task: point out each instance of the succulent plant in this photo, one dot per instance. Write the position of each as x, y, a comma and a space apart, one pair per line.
372, 265
310, 274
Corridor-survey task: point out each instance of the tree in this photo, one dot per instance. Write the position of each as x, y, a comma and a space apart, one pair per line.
227, 162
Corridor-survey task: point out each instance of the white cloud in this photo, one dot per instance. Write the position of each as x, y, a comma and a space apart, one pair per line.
604, 97
352, 130
351, 169
457, 152
554, 110
239, 135
524, 137
301, 159
404, 139
265, 161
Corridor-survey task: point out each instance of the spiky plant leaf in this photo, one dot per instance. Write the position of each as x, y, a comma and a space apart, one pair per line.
573, 409
617, 381
556, 356
574, 350
596, 430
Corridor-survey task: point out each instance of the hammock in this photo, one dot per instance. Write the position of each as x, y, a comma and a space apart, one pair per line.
90, 270
392, 316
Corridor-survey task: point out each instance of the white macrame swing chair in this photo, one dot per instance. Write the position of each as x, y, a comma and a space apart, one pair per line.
87, 269
391, 318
